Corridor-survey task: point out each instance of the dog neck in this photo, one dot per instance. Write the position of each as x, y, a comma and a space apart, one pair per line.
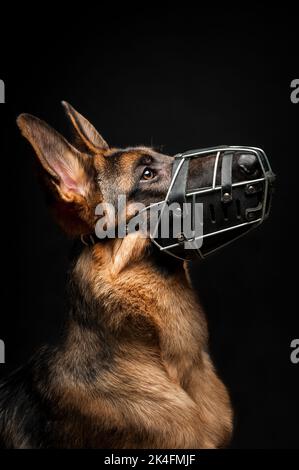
125, 292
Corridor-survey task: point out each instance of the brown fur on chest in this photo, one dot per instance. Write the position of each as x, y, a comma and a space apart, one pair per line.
143, 304
155, 387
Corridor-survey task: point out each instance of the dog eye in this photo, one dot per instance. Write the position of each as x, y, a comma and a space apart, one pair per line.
148, 174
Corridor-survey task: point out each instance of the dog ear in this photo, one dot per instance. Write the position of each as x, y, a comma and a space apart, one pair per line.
68, 174
87, 137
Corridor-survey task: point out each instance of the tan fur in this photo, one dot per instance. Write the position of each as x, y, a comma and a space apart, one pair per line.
167, 386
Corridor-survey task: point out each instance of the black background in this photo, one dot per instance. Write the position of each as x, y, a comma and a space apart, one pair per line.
176, 78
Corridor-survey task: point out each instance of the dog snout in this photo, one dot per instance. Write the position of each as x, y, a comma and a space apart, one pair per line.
248, 163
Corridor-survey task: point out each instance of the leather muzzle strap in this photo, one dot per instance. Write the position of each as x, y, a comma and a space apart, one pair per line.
226, 177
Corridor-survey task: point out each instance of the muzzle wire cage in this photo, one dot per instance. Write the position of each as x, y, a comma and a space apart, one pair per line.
234, 201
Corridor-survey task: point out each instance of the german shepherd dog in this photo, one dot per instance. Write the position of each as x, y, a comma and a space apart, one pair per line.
132, 368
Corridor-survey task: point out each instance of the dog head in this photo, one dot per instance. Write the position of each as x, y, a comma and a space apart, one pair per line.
79, 177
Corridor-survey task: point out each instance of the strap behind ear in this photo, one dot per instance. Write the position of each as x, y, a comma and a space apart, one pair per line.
87, 136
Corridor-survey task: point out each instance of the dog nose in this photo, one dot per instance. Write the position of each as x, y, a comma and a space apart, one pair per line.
248, 163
